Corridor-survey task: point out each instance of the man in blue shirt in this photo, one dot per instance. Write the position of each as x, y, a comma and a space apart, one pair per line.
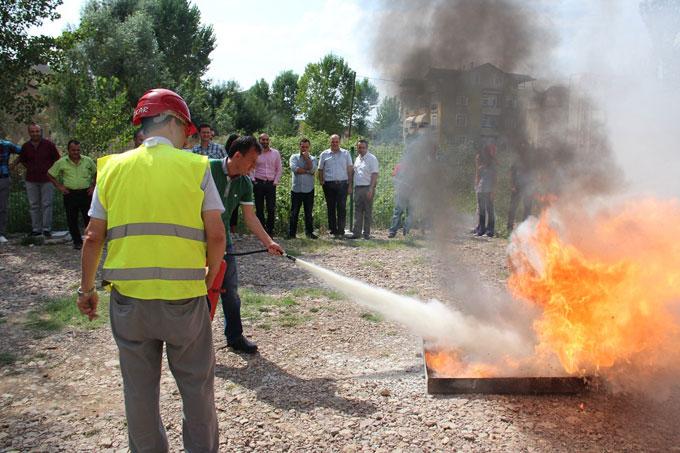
302, 166
335, 176
6, 148
207, 147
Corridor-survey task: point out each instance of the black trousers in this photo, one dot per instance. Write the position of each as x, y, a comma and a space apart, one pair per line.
297, 200
336, 203
515, 198
265, 193
77, 202
487, 217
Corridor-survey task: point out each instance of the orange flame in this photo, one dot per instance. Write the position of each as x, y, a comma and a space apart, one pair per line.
447, 363
610, 295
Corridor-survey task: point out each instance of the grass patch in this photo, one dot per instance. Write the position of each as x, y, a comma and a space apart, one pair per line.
2, 319
317, 293
7, 358
385, 244
299, 246
254, 305
56, 314
290, 319
375, 264
371, 317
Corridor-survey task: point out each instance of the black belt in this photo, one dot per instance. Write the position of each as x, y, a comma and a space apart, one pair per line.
335, 182
4, 176
363, 186
264, 180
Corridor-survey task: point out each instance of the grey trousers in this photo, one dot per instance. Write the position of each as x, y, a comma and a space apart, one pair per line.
40, 195
140, 327
4, 204
363, 211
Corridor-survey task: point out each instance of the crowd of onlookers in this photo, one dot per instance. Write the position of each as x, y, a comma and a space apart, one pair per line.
74, 175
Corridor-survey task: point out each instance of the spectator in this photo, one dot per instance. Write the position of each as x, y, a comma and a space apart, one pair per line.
233, 220
302, 166
38, 155
265, 178
365, 180
138, 137
74, 176
160, 211
236, 188
401, 205
207, 147
6, 148
335, 177
485, 186
521, 188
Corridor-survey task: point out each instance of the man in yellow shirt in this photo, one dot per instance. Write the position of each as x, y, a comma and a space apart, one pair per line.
74, 175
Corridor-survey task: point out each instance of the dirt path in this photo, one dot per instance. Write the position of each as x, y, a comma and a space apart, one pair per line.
330, 376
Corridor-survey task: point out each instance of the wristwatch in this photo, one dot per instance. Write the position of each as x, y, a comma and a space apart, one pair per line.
87, 293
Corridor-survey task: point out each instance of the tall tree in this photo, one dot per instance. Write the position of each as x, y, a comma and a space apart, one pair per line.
387, 125
23, 57
324, 95
365, 100
284, 110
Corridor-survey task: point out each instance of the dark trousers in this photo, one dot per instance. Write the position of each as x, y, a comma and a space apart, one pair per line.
77, 202
297, 200
231, 302
363, 212
233, 220
265, 193
336, 203
487, 218
515, 198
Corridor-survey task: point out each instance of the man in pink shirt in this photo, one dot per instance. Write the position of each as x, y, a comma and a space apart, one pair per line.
265, 178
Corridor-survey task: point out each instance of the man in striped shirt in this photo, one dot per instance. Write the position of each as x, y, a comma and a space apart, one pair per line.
207, 147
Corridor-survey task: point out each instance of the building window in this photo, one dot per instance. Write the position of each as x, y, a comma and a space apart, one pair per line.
496, 82
459, 140
510, 101
461, 120
462, 100
489, 121
489, 100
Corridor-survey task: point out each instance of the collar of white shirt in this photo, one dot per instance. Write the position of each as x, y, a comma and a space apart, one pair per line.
157, 140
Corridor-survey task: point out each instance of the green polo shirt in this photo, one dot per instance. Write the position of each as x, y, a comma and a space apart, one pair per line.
74, 176
234, 192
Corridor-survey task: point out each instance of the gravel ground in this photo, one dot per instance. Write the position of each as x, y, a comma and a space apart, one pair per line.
330, 377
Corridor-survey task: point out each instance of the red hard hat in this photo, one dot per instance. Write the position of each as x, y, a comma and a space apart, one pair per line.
159, 100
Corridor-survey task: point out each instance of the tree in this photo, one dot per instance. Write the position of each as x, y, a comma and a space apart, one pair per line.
387, 126
324, 95
365, 100
284, 111
104, 119
23, 58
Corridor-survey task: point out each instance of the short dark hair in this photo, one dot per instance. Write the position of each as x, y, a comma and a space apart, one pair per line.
204, 125
364, 141
72, 142
243, 145
230, 140
305, 140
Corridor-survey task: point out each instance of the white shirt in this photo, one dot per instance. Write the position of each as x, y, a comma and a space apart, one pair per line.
364, 167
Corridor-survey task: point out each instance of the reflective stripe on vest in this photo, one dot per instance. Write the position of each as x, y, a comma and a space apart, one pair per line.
155, 229
153, 273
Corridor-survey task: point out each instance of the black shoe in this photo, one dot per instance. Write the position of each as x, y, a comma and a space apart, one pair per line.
490, 234
47, 234
291, 236
391, 234
77, 246
312, 236
242, 344
36, 233
367, 237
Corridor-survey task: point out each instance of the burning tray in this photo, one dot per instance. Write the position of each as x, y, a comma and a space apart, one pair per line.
562, 385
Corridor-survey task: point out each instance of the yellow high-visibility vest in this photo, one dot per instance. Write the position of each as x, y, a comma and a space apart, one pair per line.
156, 238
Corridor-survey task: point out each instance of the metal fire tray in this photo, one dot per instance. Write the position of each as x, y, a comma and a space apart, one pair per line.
560, 385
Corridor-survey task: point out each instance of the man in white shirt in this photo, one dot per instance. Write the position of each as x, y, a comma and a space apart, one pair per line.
365, 180
335, 177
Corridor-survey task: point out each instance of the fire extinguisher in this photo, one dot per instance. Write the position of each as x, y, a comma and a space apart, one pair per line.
216, 289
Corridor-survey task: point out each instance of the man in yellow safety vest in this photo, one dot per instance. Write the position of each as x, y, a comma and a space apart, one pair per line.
159, 210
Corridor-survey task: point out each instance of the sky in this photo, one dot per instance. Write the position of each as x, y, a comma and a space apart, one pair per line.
265, 37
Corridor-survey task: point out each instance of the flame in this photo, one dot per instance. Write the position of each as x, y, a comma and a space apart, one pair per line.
448, 363
608, 287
